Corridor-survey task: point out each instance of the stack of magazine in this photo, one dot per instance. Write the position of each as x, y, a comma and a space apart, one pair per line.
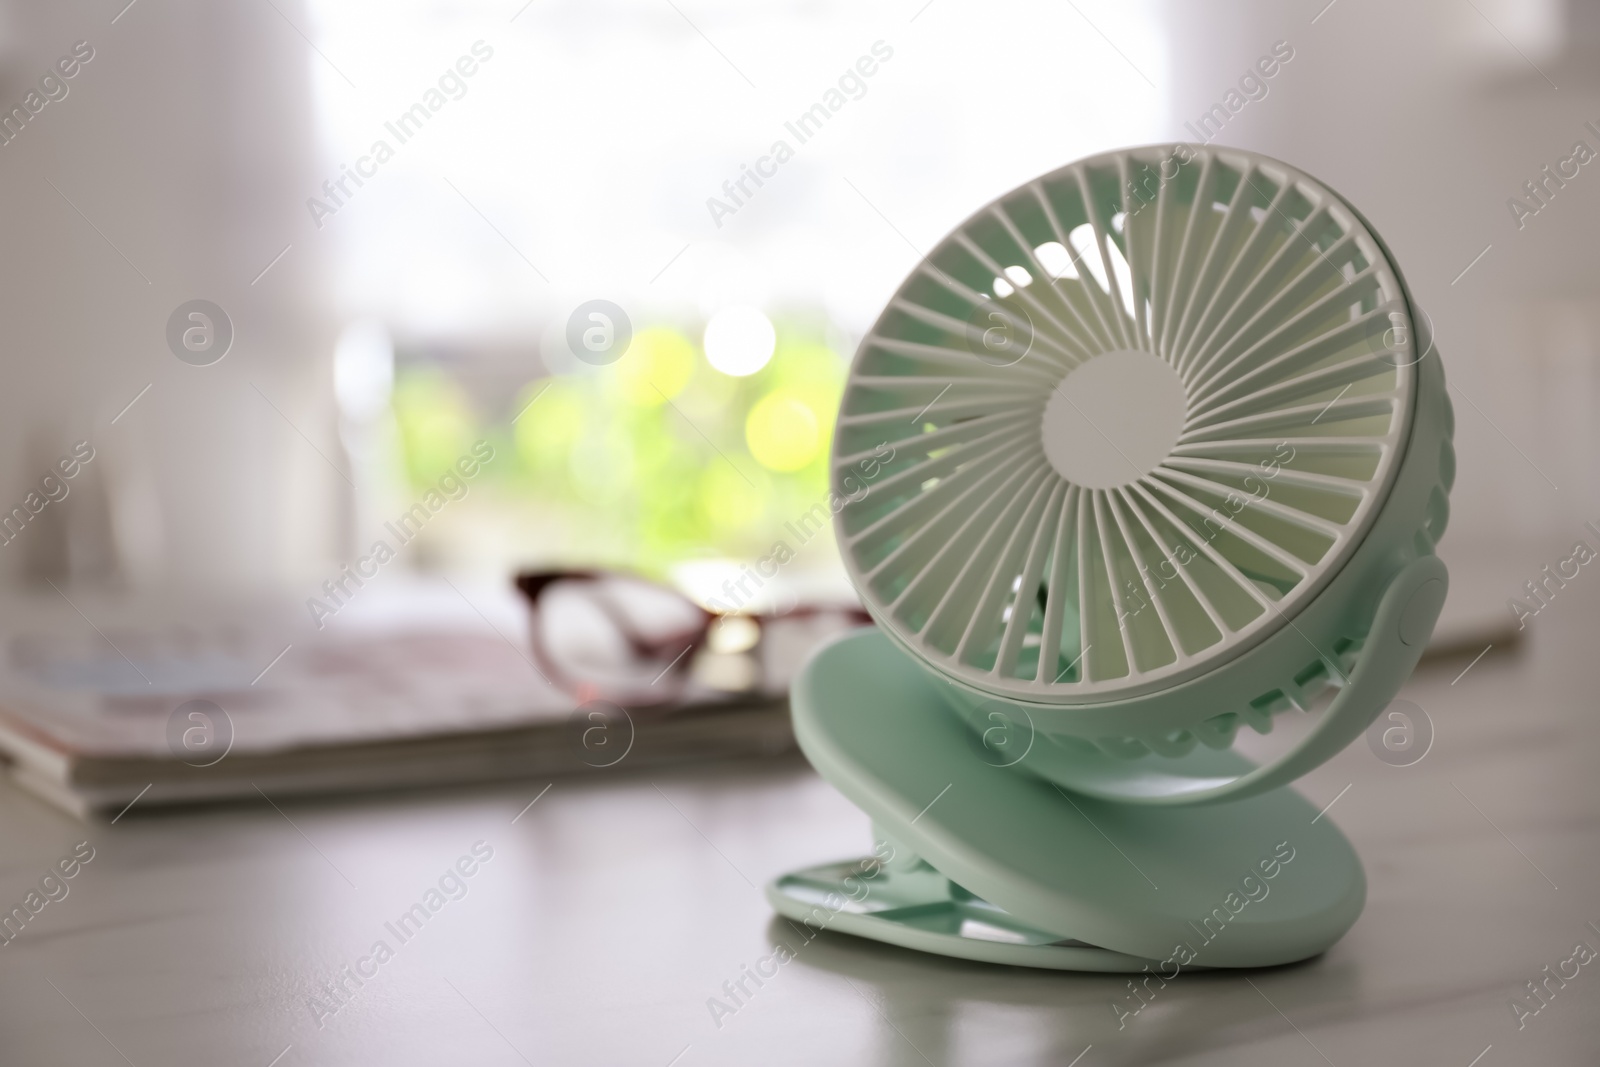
95, 717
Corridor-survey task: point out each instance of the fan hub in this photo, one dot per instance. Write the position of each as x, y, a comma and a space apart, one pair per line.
1113, 419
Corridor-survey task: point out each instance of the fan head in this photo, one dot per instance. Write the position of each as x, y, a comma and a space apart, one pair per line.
1137, 447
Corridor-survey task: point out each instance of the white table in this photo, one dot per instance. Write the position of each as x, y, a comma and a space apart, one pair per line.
614, 907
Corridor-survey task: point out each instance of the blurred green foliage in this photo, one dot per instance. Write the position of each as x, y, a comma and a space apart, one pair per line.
656, 458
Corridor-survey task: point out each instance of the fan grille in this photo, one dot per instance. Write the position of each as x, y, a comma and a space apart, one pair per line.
1289, 333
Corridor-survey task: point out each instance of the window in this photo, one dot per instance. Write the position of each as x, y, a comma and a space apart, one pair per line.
629, 152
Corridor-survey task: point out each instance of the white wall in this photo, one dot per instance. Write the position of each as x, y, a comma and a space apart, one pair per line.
186, 142
1427, 119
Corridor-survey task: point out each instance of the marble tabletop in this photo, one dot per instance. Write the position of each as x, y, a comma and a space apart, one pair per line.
593, 920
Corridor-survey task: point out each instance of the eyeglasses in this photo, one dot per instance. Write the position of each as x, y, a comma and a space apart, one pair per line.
617, 636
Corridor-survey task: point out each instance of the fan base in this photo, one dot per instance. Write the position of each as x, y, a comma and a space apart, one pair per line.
987, 862
921, 909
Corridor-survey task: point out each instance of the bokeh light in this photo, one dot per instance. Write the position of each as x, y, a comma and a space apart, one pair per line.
601, 465
436, 424
782, 432
739, 340
728, 501
657, 367
552, 416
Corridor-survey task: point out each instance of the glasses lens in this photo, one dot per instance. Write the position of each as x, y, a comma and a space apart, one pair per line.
786, 640
617, 636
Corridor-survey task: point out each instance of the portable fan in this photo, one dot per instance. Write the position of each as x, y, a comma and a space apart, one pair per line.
1167, 458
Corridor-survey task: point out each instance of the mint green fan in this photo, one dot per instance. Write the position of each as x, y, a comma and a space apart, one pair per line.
1169, 459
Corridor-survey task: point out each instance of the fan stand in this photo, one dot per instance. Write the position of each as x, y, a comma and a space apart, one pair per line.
986, 862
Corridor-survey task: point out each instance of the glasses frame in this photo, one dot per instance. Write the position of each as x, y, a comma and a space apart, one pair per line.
534, 584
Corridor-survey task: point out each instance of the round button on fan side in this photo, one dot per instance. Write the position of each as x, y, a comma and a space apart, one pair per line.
1422, 611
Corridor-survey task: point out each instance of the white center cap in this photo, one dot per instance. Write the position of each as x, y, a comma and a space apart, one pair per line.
1113, 419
